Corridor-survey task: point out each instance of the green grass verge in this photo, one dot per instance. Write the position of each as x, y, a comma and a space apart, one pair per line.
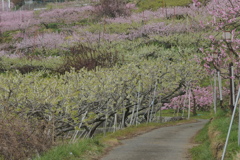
213, 136
15, 63
155, 4
202, 151
221, 124
82, 149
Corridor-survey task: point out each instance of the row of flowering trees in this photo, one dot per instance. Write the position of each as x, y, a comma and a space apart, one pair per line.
218, 57
27, 20
222, 55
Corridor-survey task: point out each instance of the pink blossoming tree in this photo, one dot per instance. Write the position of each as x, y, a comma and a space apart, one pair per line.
224, 51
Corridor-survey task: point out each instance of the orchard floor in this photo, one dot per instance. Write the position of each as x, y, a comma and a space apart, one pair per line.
166, 143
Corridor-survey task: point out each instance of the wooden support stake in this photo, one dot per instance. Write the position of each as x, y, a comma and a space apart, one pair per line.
76, 132
189, 103
231, 88
215, 94
154, 95
115, 123
220, 85
138, 99
123, 119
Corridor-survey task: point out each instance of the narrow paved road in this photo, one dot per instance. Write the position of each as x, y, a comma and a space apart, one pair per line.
167, 143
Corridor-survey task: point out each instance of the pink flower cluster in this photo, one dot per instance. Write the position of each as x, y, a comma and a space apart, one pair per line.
202, 95
28, 20
68, 15
47, 41
222, 52
16, 20
147, 15
196, 3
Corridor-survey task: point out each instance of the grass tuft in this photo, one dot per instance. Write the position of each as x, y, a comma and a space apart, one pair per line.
83, 149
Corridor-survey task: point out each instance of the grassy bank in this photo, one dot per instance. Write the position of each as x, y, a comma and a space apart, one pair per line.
93, 148
155, 4
202, 151
212, 138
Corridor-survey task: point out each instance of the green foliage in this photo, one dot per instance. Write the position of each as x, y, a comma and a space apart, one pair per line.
2, 67
54, 27
65, 93
183, 40
42, 52
51, 6
84, 22
12, 64
150, 4
205, 82
37, 13
156, 4
7, 36
181, 46
1, 158
178, 2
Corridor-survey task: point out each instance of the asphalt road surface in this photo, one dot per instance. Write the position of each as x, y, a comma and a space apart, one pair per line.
167, 143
